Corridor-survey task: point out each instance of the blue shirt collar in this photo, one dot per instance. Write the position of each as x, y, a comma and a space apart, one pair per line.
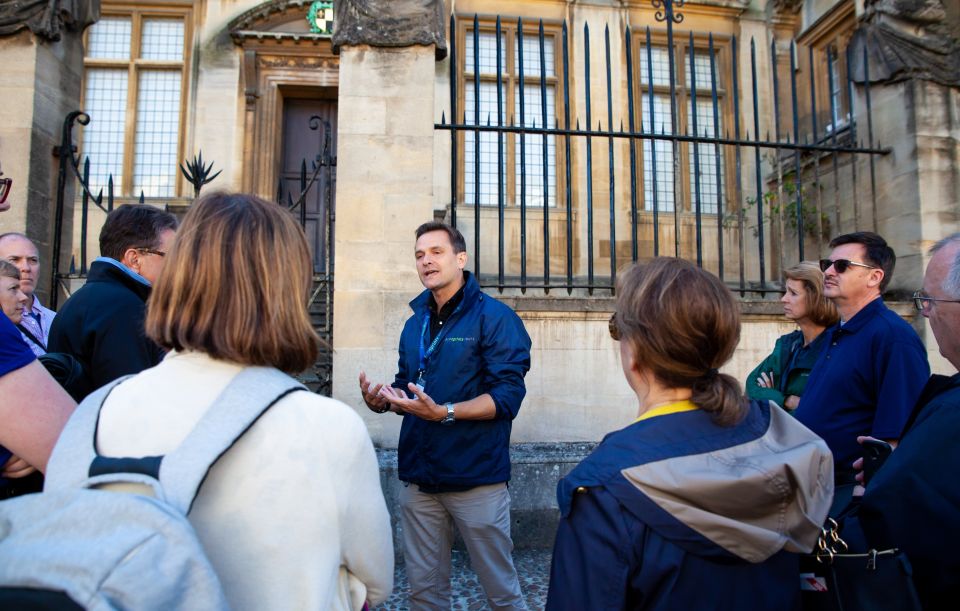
864, 316
125, 269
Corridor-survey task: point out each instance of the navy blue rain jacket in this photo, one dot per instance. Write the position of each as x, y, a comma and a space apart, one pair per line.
484, 349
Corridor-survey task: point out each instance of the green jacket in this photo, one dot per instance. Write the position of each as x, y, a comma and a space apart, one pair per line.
789, 380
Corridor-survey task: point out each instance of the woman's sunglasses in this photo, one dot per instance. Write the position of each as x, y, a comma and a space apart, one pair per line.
841, 265
5, 184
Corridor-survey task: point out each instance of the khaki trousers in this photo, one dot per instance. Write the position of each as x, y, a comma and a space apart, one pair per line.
482, 516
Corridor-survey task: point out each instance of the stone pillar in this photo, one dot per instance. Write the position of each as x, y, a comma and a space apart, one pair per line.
918, 183
43, 59
385, 155
915, 95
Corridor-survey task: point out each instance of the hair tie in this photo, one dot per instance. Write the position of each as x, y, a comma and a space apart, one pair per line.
711, 374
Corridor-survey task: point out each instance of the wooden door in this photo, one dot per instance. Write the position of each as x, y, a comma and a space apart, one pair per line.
310, 125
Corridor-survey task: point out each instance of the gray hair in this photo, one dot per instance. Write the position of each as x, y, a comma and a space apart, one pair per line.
951, 284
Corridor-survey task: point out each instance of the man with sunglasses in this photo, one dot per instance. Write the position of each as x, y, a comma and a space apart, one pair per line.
101, 324
873, 367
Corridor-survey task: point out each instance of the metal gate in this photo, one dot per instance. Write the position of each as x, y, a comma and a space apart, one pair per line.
319, 187
319, 184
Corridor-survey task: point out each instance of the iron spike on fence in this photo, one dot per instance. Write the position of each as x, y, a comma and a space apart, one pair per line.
198, 174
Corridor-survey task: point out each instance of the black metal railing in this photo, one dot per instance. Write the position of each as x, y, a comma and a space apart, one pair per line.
198, 174
747, 223
321, 297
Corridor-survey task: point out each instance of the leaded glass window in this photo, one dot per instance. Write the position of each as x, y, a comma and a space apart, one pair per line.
133, 92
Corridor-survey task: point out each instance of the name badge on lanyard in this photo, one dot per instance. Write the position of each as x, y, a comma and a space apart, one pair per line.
426, 351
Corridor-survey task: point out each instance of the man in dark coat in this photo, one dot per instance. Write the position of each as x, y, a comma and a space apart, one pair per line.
459, 386
913, 501
102, 323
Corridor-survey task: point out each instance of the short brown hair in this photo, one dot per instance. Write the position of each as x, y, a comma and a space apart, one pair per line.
876, 252
456, 238
683, 324
235, 286
9, 270
821, 310
134, 226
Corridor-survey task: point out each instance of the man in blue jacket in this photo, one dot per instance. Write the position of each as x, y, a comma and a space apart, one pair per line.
459, 385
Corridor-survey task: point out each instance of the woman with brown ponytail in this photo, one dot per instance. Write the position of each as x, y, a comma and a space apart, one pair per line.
704, 500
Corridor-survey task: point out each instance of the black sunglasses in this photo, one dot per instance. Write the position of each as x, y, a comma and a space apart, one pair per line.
612, 327
5, 184
841, 265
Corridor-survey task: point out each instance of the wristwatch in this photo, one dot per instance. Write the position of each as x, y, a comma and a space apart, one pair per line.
449, 418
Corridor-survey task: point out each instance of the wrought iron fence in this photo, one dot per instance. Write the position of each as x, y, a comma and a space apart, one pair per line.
321, 297
198, 174
735, 201
195, 171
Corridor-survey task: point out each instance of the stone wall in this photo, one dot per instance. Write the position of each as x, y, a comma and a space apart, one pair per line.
42, 82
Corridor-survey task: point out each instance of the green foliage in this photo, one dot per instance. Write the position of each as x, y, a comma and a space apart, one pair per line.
784, 205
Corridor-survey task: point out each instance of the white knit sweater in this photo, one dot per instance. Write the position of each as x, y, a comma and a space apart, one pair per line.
295, 499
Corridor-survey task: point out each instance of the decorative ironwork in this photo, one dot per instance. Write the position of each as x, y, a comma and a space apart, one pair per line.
782, 185
320, 17
320, 303
667, 13
71, 168
196, 174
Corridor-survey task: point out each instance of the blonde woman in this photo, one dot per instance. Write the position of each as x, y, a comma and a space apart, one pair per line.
782, 376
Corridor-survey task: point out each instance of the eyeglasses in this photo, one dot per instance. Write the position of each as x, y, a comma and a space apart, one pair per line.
612, 327
842, 265
5, 184
921, 301
151, 251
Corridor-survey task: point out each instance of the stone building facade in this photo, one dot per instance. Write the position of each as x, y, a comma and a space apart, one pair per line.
259, 87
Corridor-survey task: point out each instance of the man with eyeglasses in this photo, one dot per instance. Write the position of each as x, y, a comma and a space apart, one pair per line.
873, 367
102, 323
913, 500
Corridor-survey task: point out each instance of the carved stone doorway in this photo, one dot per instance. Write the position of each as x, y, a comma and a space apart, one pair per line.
282, 60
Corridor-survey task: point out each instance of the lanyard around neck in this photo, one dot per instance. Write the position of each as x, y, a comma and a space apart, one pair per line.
427, 351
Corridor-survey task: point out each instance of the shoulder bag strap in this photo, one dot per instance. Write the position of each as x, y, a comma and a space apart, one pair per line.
76, 451
26, 332
251, 393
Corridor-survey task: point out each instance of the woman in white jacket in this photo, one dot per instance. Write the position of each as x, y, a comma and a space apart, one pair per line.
292, 516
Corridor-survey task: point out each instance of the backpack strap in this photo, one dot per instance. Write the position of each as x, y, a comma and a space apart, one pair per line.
75, 450
251, 393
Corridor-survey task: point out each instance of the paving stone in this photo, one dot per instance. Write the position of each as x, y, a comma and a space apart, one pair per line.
533, 567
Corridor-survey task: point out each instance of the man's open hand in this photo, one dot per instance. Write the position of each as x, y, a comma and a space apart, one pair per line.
371, 395
422, 406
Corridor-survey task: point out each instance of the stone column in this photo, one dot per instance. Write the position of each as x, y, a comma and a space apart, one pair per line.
384, 187
915, 98
42, 55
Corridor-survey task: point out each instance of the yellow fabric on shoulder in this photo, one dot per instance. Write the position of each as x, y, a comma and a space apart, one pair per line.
670, 408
